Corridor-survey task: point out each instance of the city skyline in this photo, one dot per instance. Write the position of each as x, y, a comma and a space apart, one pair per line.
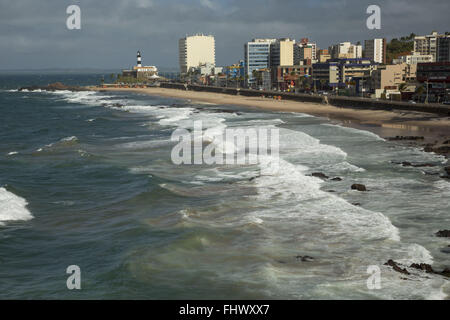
37, 36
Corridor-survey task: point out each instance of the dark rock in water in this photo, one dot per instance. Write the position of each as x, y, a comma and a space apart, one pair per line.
419, 266
428, 269
319, 175
359, 187
443, 233
447, 169
304, 258
356, 204
394, 265
445, 177
417, 165
428, 149
446, 250
446, 142
336, 179
398, 138
423, 266
421, 165
331, 191
442, 149
54, 87
446, 272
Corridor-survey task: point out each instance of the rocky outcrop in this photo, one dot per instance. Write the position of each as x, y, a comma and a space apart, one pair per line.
438, 148
395, 266
304, 258
443, 233
443, 150
336, 179
54, 87
359, 187
428, 269
446, 249
423, 266
402, 138
320, 175
418, 266
415, 165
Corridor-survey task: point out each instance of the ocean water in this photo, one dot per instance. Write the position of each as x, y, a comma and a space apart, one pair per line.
85, 182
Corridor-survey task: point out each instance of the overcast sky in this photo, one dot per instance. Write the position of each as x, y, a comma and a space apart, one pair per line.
33, 33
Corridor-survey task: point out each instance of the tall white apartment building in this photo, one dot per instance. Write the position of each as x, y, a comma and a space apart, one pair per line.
196, 50
426, 45
282, 53
375, 50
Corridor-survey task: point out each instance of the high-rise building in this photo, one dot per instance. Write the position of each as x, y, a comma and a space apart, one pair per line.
305, 50
282, 52
443, 49
196, 50
425, 45
257, 56
375, 50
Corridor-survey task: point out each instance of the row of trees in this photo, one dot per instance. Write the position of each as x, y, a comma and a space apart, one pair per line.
397, 47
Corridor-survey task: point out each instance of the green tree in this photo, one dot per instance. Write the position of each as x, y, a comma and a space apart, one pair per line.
420, 90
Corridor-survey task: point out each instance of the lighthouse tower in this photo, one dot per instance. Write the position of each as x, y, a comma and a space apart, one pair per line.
139, 59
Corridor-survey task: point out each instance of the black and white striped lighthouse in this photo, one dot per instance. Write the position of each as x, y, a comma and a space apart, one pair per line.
139, 59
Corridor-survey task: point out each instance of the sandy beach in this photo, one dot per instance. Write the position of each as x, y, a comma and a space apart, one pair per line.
435, 129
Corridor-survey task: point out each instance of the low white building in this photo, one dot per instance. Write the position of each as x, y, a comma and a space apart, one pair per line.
414, 59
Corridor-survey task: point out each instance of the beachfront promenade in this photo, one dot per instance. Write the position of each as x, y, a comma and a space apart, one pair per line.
337, 101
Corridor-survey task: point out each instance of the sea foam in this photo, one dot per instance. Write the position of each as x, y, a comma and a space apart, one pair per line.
12, 207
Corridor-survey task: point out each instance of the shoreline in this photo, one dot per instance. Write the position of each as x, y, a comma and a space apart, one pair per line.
434, 129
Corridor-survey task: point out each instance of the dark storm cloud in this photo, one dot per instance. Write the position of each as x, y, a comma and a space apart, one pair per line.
33, 34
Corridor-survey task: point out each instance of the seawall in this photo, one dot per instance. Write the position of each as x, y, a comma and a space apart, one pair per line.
337, 101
